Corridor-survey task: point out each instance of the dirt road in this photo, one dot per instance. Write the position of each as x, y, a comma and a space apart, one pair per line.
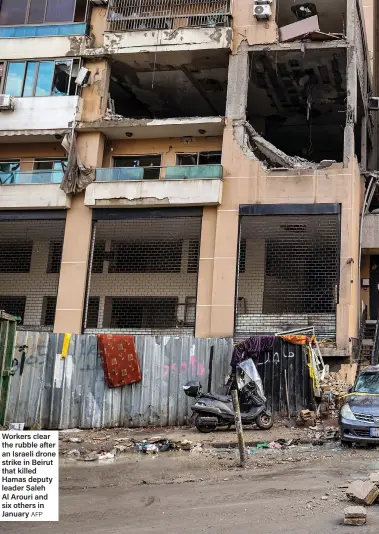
295, 491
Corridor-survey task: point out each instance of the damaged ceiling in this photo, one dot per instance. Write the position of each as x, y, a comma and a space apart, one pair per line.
167, 85
298, 101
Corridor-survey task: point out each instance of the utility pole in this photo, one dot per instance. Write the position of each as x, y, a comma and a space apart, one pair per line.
239, 430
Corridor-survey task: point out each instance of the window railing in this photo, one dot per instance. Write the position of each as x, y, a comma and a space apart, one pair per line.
129, 15
31, 177
178, 172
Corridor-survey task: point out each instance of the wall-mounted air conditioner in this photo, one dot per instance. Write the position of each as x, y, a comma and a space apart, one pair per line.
262, 9
6, 103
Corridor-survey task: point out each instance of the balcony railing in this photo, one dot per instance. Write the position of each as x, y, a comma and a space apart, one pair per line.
179, 172
31, 177
129, 15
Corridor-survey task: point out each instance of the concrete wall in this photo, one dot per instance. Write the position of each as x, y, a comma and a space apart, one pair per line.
40, 113
370, 237
27, 152
42, 47
133, 193
246, 182
33, 196
167, 40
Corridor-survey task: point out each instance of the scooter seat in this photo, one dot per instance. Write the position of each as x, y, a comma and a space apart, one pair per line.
222, 398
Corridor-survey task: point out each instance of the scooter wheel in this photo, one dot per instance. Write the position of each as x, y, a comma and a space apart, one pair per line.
201, 427
264, 421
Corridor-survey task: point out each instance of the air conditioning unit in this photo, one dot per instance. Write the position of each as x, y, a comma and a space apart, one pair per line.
373, 103
83, 77
262, 11
6, 103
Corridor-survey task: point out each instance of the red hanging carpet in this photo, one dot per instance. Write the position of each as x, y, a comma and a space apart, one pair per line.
119, 358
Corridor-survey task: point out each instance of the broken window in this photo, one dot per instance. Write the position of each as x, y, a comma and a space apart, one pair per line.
17, 12
50, 170
150, 163
9, 171
199, 158
41, 78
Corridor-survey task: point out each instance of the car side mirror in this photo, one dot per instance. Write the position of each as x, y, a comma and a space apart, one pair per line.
351, 389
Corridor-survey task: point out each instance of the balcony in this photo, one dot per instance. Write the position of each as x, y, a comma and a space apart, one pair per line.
40, 190
46, 116
168, 24
198, 185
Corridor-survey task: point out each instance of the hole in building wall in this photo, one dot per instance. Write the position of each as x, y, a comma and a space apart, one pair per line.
297, 101
167, 86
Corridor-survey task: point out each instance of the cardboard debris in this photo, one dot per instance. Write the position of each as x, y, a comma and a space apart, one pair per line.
299, 29
362, 492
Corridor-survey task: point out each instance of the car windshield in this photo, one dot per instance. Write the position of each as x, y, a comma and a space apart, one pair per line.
368, 383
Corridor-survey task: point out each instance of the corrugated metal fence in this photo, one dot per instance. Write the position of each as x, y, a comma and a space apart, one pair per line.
53, 393
67, 393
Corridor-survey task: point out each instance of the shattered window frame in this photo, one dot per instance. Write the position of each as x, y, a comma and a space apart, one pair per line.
73, 65
198, 156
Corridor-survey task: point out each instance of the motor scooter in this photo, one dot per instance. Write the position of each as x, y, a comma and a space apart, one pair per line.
212, 410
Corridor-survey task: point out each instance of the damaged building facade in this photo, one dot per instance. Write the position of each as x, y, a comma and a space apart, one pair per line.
188, 167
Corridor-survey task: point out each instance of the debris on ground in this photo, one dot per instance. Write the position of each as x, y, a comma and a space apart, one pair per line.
355, 515
333, 392
374, 478
363, 492
306, 418
106, 456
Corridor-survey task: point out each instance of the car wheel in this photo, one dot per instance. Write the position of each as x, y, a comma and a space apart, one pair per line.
348, 444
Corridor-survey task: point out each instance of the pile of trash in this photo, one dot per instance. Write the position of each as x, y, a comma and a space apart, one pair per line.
159, 444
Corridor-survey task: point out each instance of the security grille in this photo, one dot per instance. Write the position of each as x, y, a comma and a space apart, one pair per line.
288, 274
29, 270
127, 15
143, 276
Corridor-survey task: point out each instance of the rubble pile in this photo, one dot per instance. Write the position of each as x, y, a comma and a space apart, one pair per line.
333, 391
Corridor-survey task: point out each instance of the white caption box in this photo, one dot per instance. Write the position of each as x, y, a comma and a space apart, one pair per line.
29, 465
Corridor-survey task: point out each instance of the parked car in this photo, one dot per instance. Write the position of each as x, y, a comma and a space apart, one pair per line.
359, 415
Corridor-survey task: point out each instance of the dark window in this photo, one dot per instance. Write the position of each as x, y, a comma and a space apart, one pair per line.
48, 311
141, 312
14, 306
55, 257
61, 78
190, 311
146, 257
150, 163
199, 158
60, 10
13, 12
193, 256
93, 312
98, 257
242, 258
16, 257
36, 11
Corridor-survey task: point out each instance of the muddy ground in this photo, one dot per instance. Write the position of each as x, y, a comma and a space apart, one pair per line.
300, 489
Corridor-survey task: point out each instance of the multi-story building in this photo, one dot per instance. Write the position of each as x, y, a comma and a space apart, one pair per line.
211, 176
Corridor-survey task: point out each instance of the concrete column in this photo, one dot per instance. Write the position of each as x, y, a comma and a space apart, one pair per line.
76, 246
238, 84
205, 277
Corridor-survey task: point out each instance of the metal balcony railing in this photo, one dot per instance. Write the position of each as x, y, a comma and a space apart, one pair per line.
31, 177
178, 172
129, 15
